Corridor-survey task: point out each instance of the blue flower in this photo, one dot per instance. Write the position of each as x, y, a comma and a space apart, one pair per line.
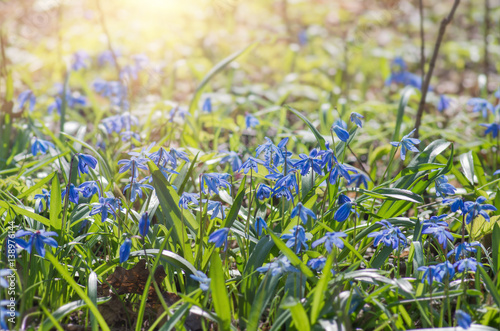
38, 239
42, 199
391, 236
234, 159
103, 207
3, 273
296, 239
356, 119
437, 272
128, 135
283, 191
340, 132
144, 223
474, 209
316, 264
251, 121
84, 162
176, 155
468, 264
203, 279
407, 144
251, 163
443, 188
405, 78
207, 106
310, 162
219, 237
57, 104
434, 221
73, 194
89, 188
263, 192
463, 319
492, 128
359, 179
302, 212
136, 189
330, 239
79, 60
481, 105
125, 250
278, 267
345, 209
107, 57
268, 148
161, 157
214, 181
289, 181
134, 164
456, 204
39, 145
463, 250
260, 224
443, 103
335, 167
26, 96
217, 209
186, 198
440, 233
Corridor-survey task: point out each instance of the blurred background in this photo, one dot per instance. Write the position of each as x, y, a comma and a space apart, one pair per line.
181, 40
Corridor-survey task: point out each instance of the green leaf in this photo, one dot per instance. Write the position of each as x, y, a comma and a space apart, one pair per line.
176, 317
25, 212
264, 293
490, 286
318, 297
479, 170
92, 293
467, 163
381, 257
399, 194
299, 315
235, 208
36, 186
219, 293
403, 102
319, 137
172, 258
496, 249
216, 69
55, 205
69, 279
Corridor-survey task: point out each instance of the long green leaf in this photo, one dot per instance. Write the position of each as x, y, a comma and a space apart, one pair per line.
235, 208
216, 69
318, 297
299, 315
64, 273
25, 212
319, 137
219, 293
92, 293
468, 166
55, 205
36, 186
490, 286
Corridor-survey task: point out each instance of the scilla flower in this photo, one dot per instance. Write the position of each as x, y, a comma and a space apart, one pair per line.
203, 279
144, 223
125, 250
84, 162
40, 146
302, 212
219, 238
407, 143
38, 239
